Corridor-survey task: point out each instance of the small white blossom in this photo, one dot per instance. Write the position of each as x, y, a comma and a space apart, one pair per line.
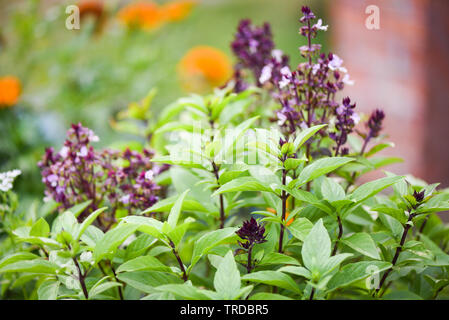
83, 152
53, 179
253, 44
355, 117
125, 199
64, 152
319, 25
149, 175
282, 118
336, 64
315, 68
347, 80
265, 75
7, 179
286, 75
277, 55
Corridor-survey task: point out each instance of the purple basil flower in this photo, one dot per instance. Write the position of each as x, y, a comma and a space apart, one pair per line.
254, 49
307, 14
346, 120
419, 196
78, 173
252, 232
375, 123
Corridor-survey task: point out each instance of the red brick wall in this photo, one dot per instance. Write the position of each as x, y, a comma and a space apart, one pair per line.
436, 148
402, 70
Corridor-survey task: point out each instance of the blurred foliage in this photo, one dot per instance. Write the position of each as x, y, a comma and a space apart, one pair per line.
89, 75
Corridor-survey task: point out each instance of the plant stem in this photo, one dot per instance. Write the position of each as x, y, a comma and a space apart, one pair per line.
437, 293
340, 234
181, 265
216, 169
312, 293
120, 291
397, 253
365, 143
249, 266
421, 229
284, 209
81, 278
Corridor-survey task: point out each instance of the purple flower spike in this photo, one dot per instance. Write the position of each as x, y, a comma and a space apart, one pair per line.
251, 231
375, 123
77, 173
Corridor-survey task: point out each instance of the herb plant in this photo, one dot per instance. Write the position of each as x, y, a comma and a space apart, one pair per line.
256, 191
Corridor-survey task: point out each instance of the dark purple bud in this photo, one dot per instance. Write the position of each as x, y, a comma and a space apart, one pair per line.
375, 122
419, 196
251, 231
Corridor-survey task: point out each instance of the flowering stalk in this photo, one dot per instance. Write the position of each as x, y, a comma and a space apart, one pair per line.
79, 173
253, 233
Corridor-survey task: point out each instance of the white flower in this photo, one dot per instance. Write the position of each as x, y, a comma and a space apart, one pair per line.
83, 152
315, 68
125, 199
277, 55
149, 175
64, 152
336, 64
348, 81
53, 179
286, 75
319, 25
253, 44
285, 71
355, 117
282, 118
5, 187
265, 75
7, 179
92, 137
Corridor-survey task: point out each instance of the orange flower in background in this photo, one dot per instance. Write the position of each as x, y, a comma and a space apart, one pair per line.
91, 7
204, 68
177, 10
289, 222
145, 15
9, 91
95, 9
